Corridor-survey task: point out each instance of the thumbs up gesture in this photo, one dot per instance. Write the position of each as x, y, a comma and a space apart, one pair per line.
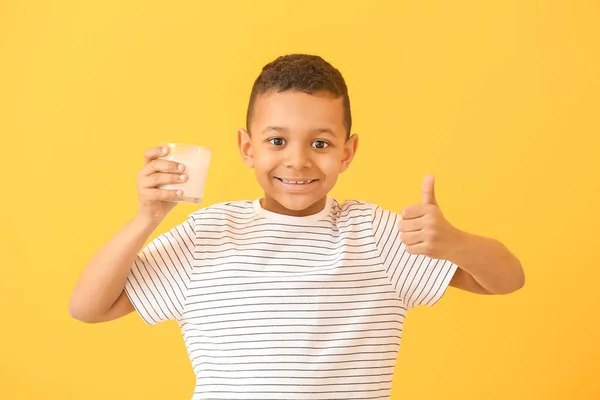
423, 228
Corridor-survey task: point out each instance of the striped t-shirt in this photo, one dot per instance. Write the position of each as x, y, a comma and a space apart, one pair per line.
279, 307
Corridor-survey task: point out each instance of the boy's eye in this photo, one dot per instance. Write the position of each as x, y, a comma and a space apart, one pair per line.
320, 144
277, 141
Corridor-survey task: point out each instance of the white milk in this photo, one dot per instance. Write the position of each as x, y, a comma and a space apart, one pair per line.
196, 160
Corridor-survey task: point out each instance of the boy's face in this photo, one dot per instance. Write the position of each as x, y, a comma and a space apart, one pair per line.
298, 148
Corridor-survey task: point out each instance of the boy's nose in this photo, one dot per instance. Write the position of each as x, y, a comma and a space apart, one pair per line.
297, 159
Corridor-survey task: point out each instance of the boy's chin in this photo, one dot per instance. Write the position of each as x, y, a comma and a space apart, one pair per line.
297, 204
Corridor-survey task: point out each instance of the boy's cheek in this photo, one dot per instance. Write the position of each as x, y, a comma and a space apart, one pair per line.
333, 166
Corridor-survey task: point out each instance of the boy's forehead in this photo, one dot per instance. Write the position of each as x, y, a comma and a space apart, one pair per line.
292, 110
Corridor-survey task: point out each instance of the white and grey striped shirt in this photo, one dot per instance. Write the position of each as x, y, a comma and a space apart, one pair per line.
279, 307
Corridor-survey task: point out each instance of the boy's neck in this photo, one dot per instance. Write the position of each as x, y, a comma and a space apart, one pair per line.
270, 204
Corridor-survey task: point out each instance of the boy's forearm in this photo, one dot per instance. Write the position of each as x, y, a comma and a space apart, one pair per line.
103, 279
490, 263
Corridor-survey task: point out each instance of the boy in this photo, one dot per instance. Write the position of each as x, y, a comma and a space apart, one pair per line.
293, 295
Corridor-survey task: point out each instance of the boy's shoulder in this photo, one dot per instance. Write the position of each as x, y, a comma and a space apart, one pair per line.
226, 207
355, 205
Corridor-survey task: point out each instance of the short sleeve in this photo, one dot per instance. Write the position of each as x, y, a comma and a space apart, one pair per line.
159, 278
418, 280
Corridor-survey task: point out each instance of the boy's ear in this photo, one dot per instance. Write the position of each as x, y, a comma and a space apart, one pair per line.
350, 148
245, 147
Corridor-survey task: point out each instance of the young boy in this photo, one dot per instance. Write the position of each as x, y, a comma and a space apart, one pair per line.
293, 295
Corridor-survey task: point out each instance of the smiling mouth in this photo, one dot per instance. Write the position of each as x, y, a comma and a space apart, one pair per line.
296, 182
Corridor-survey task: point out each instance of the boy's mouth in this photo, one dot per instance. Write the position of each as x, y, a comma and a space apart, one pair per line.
296, 181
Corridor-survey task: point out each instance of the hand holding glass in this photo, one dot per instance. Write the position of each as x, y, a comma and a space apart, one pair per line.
196, 160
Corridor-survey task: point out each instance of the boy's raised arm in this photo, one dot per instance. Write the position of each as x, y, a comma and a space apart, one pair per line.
485, 265
99, 293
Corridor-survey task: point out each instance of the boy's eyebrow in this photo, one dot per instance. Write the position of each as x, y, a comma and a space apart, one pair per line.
281, 129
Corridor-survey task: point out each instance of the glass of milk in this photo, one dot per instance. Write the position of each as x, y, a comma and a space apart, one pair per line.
196, 160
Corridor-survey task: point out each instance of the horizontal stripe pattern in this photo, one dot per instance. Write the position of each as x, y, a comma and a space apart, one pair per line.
418, 280
286, 308
157, 284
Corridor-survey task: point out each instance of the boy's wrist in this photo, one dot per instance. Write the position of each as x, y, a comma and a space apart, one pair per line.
145, 222
460, 246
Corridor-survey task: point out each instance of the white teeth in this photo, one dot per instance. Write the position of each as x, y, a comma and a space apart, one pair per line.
296, 182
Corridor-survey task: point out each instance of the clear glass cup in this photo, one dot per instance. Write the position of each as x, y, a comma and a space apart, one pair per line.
196, 160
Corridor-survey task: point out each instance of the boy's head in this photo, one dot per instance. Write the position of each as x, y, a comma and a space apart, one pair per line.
298, 133
301, 73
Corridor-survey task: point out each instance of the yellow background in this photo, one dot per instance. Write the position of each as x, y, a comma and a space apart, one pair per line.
500, 100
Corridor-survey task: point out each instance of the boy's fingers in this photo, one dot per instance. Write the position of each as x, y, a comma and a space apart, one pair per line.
414, 211
154, 153
411, 238
418, 248
410, 225
166, 166
159, 179
160, 194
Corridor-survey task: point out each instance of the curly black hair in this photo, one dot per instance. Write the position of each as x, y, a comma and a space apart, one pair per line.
304, 73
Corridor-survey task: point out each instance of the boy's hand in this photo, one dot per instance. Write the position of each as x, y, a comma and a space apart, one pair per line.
152, 204
424, 230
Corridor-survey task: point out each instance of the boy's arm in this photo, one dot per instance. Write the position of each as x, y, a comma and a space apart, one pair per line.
463, 280
119, 309
101, 292
485, 265
98, 295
